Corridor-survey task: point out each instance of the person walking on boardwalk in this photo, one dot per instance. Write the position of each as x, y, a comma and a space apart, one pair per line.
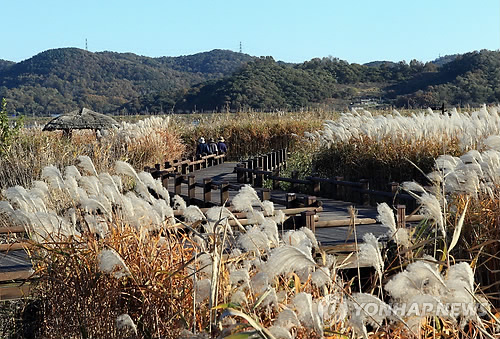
222, 146
212, 146
202, 148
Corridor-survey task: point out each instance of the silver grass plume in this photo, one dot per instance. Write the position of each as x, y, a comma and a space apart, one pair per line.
92, 205
125, 322
238, 277
369, 253
432, 208
245, 198
155, 185
360, 315
386, 217
17, 196
216, 213
298, 239
91, 185
121, 167
418, 278
493, 142
279, 332
413, 186
107, 180
53, 177
286, 259
179, 203
87, 165
193, 214
310, 235
72, 172
259, 283
97, 225
254, 240
202, 288
321, 277
118, 181
40, 188
110, 262
287, 319
307, 313
268, 208
239, 297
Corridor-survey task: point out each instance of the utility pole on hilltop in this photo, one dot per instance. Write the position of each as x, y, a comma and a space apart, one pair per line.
86, 45
241, 48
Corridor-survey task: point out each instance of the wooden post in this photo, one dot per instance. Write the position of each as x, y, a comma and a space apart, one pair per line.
401, 217
178, 178
291, 200
259, 178
245, 174
191, 189
192, 167
276, 183
224, 193
239, 174
285, 157
157, 167
309, 200
339, 190
364, 197
164, 181
207, 191
394, 187
266, 194
167, 164
265, 162
315, 186
280, 158
184, 166
295, 175
308, 220
256, 162
175, 165
250, 174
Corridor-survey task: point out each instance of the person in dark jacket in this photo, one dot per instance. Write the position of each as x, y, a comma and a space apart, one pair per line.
202, 148
212, 146
221, 145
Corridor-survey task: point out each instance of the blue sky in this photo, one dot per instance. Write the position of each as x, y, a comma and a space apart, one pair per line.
294, 31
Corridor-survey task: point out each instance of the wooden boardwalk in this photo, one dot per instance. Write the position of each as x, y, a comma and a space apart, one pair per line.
332, 209
16, 268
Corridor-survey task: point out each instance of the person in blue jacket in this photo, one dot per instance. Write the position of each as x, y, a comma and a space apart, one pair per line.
202, 148
221, 145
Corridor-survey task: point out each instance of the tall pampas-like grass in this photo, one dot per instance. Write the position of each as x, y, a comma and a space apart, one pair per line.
87, 165
111, 262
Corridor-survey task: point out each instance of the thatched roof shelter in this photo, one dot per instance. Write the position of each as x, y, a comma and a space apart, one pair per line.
80, 119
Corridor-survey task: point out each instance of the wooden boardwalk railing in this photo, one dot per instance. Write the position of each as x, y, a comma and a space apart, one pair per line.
253, 173
187, 165
15, 268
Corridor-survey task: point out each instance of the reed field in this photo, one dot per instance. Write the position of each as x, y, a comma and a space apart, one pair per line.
118, 257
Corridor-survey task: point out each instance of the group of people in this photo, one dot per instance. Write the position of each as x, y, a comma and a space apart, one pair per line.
211, 147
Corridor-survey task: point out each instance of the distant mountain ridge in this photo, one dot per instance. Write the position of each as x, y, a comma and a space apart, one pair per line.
60, 80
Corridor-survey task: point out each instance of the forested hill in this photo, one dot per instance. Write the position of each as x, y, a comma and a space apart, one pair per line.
471, 78
58, 80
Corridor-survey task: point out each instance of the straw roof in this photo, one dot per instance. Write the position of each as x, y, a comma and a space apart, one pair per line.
81, 119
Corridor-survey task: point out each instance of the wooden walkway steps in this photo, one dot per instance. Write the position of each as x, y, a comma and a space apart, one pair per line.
15, 265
